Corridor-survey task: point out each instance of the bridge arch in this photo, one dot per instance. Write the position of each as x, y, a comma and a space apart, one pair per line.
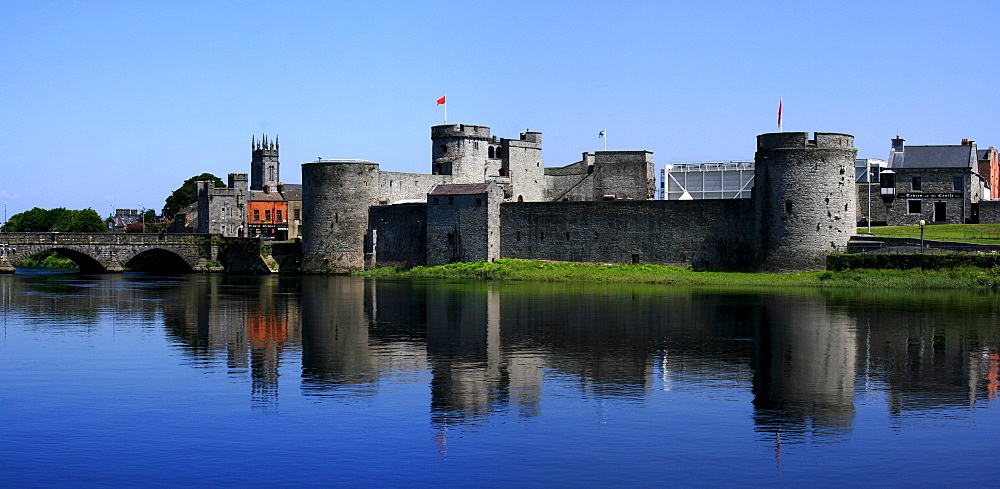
159, 260
83, 260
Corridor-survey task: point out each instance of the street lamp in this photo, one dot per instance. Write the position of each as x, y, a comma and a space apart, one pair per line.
868, 178
922, 224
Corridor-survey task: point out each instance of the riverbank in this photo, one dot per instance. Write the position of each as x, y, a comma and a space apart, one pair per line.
49, 259
509, 269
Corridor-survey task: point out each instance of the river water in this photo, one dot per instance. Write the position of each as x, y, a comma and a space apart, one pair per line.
209, 380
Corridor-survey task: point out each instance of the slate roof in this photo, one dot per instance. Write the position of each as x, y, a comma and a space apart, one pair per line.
460, 189
951, 156
262, 196
981, 154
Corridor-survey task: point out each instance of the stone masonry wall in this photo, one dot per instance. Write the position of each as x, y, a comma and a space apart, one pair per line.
570, 182
989, 212
523, 159
937, 186
804, 198
394, 187
625, 174
711, 233
335, 201
463, 227
400, 234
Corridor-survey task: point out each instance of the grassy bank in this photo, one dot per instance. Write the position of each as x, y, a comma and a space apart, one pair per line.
508, 269
48, 259
968, 233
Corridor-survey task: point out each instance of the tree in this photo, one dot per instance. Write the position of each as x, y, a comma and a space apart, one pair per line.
58, 219
185, 195
82, 221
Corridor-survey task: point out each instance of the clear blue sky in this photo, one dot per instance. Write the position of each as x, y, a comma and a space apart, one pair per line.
116, 103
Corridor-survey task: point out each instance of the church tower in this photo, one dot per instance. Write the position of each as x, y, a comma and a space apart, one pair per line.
264, 163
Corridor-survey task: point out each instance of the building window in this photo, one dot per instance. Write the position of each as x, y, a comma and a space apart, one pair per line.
267, 215
256, 215
913, 207
491, 152
451, 200
277, 215
957, 183
917, 184
298, 214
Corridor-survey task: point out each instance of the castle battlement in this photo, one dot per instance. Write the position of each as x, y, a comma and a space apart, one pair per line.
460, 131
827, 140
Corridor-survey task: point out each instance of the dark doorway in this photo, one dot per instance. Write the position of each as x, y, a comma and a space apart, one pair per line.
940, 214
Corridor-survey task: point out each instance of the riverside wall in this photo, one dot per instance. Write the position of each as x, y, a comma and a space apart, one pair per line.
709, 233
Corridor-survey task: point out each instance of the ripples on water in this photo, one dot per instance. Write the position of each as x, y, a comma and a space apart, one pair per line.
209, 380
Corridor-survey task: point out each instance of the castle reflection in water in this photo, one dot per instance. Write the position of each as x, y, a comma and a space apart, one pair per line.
800, 357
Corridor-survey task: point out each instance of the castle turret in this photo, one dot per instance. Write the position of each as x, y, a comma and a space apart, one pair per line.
264, 163
804, 201
336, 196
463, 151
522, 162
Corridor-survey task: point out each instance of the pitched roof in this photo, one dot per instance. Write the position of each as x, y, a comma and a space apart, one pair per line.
460, 189
951, 156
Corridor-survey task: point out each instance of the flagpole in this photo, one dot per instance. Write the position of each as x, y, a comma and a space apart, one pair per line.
780, 106
445, 108
605, 139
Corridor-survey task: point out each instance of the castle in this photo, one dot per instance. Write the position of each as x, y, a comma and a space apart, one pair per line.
488, 198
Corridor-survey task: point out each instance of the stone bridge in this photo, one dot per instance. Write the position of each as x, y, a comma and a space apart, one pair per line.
102, 252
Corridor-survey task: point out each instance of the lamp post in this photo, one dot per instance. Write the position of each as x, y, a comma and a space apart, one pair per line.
922, 224
142, 215
4, 217
868, 177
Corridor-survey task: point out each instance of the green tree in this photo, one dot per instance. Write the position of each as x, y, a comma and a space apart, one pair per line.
82, 221
185, 195
58, 219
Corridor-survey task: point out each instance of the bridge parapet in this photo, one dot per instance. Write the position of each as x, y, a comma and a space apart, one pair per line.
104, 252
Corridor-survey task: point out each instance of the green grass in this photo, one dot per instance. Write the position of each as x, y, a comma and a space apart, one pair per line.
526, 270
969, 233
48, 259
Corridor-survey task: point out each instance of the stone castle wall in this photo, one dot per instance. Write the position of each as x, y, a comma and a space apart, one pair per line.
624, 174
989, 211
396, 187
336, 197
711, 233
523, 160
803, 208
463, 227
804, 199
400, 234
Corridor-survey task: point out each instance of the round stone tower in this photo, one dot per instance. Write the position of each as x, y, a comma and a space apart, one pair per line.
804, 199
460, 150
336, 196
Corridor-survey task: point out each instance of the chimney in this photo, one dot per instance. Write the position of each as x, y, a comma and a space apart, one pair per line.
267, 189
281, 187
968, 142
897, 144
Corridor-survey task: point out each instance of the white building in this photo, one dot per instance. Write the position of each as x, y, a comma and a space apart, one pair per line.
706, 180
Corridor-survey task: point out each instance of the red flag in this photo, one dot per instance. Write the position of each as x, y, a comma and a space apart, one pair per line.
779, 113
441, 100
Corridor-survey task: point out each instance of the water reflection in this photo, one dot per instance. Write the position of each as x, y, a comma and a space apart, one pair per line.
800, 359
